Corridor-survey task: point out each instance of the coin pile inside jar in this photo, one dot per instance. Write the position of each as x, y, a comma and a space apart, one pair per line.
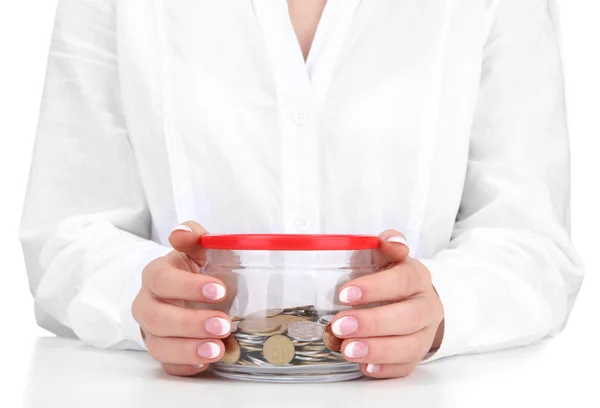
294, 336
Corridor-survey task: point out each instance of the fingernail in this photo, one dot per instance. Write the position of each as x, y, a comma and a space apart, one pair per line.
213, 291
209, 350
344, 326
398, 240
217, 326
356, 349
181, 228
373, 368
350, 294
200, 366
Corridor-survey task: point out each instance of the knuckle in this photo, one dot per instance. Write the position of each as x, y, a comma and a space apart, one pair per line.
152, 321
407, 282
159, 281
190, 323
376, 320
389, 351
187, 326
415, 318
150, 269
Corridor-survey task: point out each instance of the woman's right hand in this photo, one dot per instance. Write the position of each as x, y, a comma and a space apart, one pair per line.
183, 340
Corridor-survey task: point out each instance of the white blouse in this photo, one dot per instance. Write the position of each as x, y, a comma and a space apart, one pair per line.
443, 119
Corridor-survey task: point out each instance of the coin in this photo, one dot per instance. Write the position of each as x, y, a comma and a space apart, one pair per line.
331, 341
251, 348
326, 319
257, 326
257, 361
282, 329
232, 351
305, 331
316, 347
264, 313
236, 318
298, 308
287, 319
278, 350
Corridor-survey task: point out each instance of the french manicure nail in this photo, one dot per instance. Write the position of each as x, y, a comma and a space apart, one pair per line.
217, 326
209, 350
398, 240
373, 368
213, 291
181, 227
200, 366
350, 294
356, 349
344, 326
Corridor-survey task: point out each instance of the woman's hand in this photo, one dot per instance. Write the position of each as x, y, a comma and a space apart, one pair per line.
184, 340
390, 340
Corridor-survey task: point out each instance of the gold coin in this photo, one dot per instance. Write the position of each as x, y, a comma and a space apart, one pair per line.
264, 313
236, 318
282, 329
288, 319
232, 351
333, 343
278, 350
258, 326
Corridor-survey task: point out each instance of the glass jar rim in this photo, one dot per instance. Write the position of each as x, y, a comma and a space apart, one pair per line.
290, 242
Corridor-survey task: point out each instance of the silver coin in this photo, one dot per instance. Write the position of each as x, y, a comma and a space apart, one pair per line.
257, 361
310, 353
326, 319
305, 331
243, 337
250, 349
302, 358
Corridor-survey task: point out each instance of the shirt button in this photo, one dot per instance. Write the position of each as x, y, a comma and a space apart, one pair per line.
301, 117
302, 223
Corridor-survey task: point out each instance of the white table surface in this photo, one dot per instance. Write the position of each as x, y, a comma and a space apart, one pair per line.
52, 372
560, 372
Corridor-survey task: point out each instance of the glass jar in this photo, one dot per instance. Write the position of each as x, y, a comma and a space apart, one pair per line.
282, 293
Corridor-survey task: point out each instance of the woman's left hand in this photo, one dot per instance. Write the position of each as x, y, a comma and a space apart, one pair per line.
390, 340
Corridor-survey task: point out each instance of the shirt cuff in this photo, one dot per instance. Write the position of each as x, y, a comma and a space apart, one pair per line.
461, 312
131, 329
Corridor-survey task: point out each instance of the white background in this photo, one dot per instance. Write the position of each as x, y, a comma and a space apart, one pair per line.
25, 29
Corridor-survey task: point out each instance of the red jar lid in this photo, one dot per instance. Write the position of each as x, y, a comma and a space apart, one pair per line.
289, 242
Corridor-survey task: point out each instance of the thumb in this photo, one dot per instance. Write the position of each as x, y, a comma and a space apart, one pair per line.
393, 248
186, 238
